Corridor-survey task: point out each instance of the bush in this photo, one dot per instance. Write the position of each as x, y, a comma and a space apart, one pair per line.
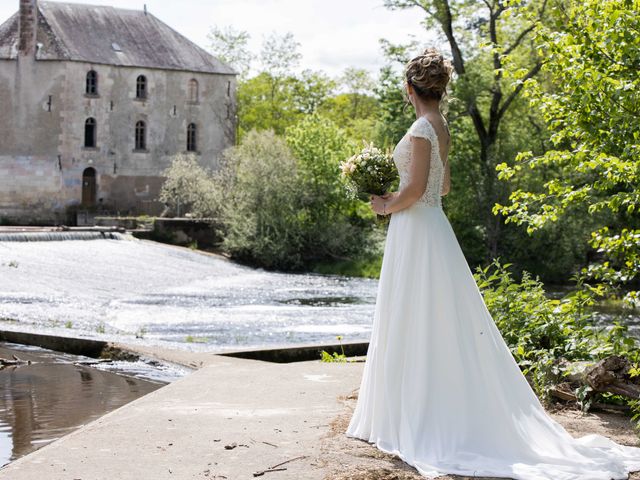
188, 188
542, 331
261, 202
279, 203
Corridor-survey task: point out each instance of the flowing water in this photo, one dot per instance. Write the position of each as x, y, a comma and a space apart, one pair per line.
142, 291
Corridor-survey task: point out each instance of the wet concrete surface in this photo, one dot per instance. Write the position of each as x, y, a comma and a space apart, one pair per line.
53, 394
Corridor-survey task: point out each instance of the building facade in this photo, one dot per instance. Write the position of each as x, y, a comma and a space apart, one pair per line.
95, 102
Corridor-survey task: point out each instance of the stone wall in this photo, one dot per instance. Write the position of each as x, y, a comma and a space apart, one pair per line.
42, 153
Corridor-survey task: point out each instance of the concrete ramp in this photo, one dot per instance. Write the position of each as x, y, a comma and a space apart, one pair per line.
232, 418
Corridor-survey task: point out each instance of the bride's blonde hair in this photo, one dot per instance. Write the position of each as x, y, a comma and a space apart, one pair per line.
429, 74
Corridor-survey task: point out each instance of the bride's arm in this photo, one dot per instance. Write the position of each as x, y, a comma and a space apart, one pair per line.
418, 177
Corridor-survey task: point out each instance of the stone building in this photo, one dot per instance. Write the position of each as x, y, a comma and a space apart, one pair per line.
95, 102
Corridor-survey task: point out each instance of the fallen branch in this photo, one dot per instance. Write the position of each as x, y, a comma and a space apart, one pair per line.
275, 467
609, 375
612, 375
16, 361
563, 394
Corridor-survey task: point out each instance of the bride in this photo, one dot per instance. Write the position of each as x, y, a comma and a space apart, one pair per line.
440, 387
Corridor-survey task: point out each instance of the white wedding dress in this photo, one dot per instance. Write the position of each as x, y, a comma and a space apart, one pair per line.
440, 387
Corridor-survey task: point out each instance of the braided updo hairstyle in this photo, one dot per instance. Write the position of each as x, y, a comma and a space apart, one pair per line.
429, 74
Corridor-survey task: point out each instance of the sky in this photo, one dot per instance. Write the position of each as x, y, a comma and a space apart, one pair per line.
333, 34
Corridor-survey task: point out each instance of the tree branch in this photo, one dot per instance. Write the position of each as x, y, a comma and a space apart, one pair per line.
530, 74
526, 31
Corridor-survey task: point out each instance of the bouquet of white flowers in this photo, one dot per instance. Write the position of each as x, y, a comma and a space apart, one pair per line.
371, 171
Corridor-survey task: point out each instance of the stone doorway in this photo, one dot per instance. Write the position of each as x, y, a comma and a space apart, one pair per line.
89, 187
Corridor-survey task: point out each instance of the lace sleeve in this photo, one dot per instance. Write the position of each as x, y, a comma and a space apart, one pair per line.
422, 128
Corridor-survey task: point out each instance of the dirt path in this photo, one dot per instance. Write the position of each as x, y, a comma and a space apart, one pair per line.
353, 459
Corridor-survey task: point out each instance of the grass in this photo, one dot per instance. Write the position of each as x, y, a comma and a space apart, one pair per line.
335, 356
192, 339
368, 267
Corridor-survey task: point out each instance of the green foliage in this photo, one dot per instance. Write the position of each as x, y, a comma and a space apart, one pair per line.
542, 331
261, 210
266, 102
367, 266
333, 223
187, 188
332, 358
192, 339
592, 57
283, 206
278, 202
230, 46
335, 357
396, 113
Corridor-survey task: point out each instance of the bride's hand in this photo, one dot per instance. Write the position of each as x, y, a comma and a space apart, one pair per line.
378, 203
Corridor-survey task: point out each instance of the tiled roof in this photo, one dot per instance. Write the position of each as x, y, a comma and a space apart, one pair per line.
111, 36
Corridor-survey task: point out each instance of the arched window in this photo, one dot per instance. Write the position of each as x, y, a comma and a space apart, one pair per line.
192, 137
141, 87
141, 135
92, 83
192, 90
90, 133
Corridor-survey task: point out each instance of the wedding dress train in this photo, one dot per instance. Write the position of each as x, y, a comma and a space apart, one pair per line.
440, 387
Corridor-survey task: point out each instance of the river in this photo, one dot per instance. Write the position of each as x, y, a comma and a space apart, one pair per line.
147, 292
142, 291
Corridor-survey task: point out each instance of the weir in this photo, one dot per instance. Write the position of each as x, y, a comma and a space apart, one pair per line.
57, 235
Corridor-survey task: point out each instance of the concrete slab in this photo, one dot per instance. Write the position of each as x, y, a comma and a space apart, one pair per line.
228, 420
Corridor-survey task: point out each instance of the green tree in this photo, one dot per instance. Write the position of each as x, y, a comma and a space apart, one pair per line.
276, 98
334, 228
188, 189
483, 38
311, 90
396, 114
592, 56
262, 202
231, 46
265, 103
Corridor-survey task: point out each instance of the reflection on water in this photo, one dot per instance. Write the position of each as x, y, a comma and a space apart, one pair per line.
48, 399
174, 296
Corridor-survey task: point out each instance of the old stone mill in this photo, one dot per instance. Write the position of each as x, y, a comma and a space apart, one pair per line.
95, 102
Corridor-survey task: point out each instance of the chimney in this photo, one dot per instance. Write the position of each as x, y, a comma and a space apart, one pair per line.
27, 27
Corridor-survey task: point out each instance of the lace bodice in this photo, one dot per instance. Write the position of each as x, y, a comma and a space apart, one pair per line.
402, 158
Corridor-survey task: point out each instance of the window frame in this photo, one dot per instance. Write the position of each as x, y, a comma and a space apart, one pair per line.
193, 91
192, 137
91, 84
94, 133
140, 136
142, 87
